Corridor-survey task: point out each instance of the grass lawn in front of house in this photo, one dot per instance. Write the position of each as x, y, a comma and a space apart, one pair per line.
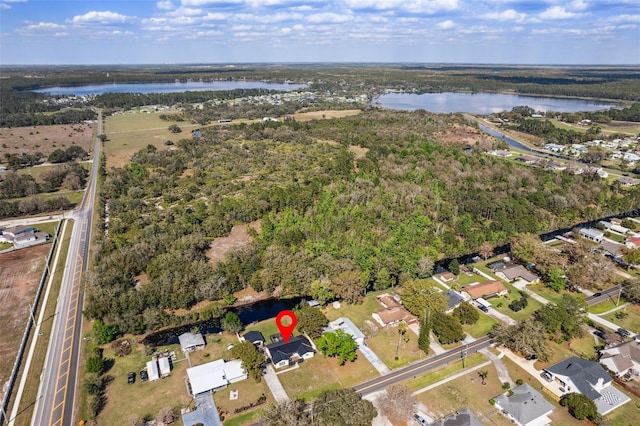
626, 415
248, 392
466, 391
444, 371
550, 294
532, 306
322, 373
583, 347
631, 321
464, 279
480, 328
215, 348
245, 419
385, 342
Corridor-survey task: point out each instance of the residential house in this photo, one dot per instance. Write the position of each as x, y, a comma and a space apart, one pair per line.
29, 239
295, 350
628, 181
554, 165
613, 226
13, 232
517, 272
254, 337
525, 407
152, 370
191, 342
578, 149
393, 315
215, 375
630, 157
501, 153
528, 159
588, 378
463, 417
485, 289
633, 242
348, 327
592, 234
387, 301
453, 300
165, 366
554, 147
622, 359
447, 276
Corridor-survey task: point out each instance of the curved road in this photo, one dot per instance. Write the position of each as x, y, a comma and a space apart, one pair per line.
56, 396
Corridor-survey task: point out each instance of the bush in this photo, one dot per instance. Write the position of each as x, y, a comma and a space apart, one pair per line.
121, 347
492, 401
506, 385
519, 382
518, 305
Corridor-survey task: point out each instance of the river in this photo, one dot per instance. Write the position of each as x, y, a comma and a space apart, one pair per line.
485, 103
183, 86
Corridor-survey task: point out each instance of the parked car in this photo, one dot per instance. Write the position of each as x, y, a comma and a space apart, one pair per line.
546, 376
623, 332
421, 420
131, 379
143, 376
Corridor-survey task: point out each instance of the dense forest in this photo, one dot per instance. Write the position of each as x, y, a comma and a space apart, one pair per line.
329, 220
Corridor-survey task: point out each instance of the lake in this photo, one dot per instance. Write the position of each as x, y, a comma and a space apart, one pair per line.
193, 86
485, 103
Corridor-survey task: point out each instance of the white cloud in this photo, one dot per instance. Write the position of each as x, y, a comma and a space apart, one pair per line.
625, 18
417, 6
185, 11
578, 5
4, 6
329, 17
100, 17
44, 26
557, 12
445, 25
506, 15
165, 5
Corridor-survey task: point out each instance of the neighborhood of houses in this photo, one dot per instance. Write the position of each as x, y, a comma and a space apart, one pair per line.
22, 236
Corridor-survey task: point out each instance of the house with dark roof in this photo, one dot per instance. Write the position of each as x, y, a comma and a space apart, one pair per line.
254, 337
283, 354
622, 359
463, 417
590, 379
453, 300
525, 407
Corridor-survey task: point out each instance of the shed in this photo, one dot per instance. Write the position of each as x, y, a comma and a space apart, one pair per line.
165, 366
152, 370
254, 337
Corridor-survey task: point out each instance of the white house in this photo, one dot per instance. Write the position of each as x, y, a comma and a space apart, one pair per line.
346, 325
215, 375
592, 234
554, 147
165, 366
622, 359
152, 370
283, 354
517, 272
191, 342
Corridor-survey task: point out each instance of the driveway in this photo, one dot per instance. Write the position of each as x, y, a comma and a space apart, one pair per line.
275, 386
374, 359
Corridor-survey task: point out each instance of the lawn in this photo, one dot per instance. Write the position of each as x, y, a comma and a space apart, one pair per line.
142, 399
74, 197
466, 391
4, 245
464, 279
583, 347
443, 372
385, 342
128, 133
480, 328
216, 348
248, 392
522, 315
37, 171
321, 373
631, 321
550, 294
357, 313
606, 305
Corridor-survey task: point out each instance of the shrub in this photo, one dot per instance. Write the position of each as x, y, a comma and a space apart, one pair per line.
519, 382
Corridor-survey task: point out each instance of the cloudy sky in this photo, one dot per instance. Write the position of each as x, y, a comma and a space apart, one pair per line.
223, 31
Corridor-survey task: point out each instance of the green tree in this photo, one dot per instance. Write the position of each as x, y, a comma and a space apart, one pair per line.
397, 403
424, 340
338, 344
105, 333
581, 407
311, 321
527, 248
321, 291
251, 359
483, 375
349, 286
556, 280
466, 313
343, 407
95, 365
174, 128
421, 299
454, 267
528, 338
288, 413
447, 328
632, 256
231, 323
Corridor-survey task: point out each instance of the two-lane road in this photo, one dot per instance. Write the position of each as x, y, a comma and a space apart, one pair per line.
56, 396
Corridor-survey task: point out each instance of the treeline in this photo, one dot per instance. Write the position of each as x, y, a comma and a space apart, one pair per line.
551, 134
33, 205
67, 116
327, 227
70, 176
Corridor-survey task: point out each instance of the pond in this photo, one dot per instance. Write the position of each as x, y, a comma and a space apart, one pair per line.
485, 103
182, 86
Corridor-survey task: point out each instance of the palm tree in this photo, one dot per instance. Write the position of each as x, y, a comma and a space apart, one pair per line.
402, 329
483, 375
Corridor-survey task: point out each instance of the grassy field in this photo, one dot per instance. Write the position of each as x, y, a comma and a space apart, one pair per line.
36, 172
74, 197
319, 115
30, 393
606, 305
45, 139
482, 327
248, 392
385, 342
357, 313
321, 373
550, 294
631, 321
466, 391
583, 347
443, 372
128, 133
522, 315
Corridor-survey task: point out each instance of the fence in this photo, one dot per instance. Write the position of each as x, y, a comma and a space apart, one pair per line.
27, 330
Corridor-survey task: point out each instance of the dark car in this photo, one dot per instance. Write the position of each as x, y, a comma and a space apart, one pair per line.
597, 294
143, 375
131, 379
546, 376
421, 420
622, 332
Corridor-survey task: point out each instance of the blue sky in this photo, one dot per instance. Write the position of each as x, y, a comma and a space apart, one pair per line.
225, 31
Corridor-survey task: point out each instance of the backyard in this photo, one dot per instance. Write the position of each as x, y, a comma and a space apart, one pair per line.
501, 304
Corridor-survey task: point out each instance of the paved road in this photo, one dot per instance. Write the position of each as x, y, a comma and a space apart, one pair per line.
420, 367
610, 293
56, 396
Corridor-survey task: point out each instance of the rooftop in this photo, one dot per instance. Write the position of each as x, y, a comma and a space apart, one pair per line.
525, 405
583, 373
486, 288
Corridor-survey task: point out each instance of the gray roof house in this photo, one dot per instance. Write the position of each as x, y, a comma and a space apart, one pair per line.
254, 337
346, 325
190, 342
517, 272
590, 379
283, 354
622, 359
526, 406
463, 417
453, 300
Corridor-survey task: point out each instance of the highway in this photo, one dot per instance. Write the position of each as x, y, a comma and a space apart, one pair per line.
56, 395
610, 293
454, 355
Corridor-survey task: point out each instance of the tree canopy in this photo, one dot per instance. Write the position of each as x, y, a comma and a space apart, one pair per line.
339, 345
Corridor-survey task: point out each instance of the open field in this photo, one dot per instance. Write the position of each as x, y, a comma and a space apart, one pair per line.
501, 304
550, 294
440, 373
607, 305
128, 133
320, 373
30, 393
625, 127
480, 328
45, 139
583, 347
248, 392
20, 273
386, 341
319, 115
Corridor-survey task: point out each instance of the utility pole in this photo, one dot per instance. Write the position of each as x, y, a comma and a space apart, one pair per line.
619, 294
463, 354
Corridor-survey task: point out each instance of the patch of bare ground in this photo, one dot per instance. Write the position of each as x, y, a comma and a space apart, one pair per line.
319, 115
466, 135
20, 273
357, 150
45, 139
237, 238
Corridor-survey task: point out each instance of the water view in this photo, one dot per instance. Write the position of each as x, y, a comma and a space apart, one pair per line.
194, 86
485, 103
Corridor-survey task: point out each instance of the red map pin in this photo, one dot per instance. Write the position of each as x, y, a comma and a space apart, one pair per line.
286, 326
